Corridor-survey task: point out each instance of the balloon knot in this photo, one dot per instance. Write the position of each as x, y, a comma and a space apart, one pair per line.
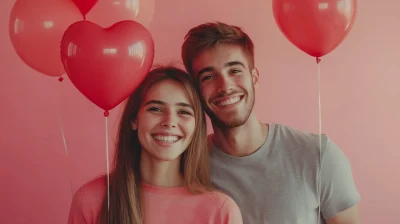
60, 79
106, 113
318, 60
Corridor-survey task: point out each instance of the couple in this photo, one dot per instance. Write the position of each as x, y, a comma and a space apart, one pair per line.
168, 171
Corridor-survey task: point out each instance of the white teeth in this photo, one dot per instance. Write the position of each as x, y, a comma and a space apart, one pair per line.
229, 101
166, 138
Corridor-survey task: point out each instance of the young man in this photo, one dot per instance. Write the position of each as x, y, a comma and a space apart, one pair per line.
276, 174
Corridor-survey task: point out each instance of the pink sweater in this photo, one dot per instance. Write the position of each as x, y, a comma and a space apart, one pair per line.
162, 206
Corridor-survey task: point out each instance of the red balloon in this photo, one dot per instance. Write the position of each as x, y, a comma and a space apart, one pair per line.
106, 65
315, 26
85, 5
36, 28
107, 12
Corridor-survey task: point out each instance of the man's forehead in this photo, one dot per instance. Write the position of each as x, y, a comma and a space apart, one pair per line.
218, 58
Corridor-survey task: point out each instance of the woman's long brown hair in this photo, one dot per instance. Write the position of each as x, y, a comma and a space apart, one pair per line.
125, 196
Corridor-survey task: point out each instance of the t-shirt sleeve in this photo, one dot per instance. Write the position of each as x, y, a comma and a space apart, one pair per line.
76, 211
230, 212
338, 190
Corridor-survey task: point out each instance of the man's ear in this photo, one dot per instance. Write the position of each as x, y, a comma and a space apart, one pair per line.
255, 77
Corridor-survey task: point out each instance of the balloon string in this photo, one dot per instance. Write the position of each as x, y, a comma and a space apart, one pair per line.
59, 119
62, 131
320, 140
108, 170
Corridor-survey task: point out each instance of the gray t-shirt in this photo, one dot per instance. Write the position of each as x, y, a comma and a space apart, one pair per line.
277, 184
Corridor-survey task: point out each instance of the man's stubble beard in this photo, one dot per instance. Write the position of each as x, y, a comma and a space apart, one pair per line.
234, 123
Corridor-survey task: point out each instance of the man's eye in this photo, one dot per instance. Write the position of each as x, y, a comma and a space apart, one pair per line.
206, 78
234, 71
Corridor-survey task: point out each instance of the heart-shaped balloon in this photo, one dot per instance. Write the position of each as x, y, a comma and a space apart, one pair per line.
315, 26
107, 65
85, 5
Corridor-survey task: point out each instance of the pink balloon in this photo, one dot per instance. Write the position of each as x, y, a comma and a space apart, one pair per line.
107, 12
106, 65
36, 28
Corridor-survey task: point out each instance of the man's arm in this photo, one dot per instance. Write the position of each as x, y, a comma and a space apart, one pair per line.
339, 195
348, 216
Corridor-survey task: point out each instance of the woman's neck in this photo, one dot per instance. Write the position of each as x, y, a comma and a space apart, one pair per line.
160, 173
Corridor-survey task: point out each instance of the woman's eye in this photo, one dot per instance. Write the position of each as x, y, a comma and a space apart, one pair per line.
185, 112
155, 109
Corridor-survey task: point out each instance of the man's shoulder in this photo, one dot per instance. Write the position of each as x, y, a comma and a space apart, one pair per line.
291, 131
302, 144
296, 136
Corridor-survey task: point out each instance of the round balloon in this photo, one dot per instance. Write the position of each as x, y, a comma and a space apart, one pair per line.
36, 28
107, 12
315, 26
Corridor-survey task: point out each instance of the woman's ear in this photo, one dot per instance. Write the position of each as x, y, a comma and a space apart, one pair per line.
134, 124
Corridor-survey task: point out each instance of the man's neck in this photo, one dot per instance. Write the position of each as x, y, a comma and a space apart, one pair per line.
243, 140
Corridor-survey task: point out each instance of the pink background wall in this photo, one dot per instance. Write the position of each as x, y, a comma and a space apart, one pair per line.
360, 98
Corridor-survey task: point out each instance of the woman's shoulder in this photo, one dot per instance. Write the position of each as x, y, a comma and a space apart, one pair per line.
87, 201
92, 193
218, 196
228, 209
220, 199
95, 187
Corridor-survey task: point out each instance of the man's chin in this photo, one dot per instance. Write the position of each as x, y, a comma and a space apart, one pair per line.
227, 120
224, 123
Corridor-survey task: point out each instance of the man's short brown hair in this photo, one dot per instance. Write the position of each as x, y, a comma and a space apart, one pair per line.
210, 35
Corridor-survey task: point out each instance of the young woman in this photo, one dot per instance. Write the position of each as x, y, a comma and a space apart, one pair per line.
161, 173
